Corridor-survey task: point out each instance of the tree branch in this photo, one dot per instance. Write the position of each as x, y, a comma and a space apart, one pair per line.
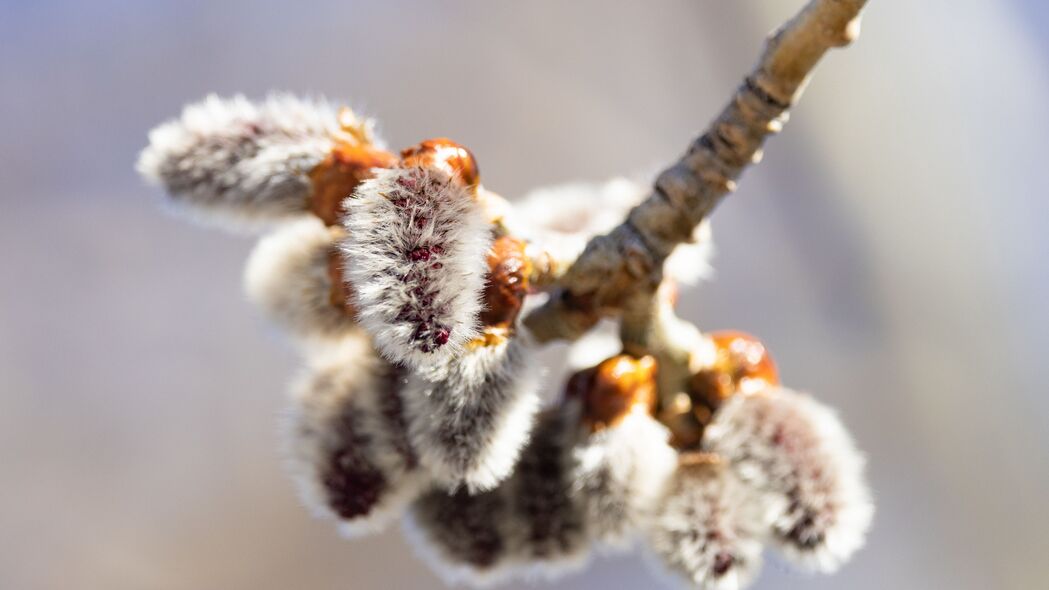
617, 267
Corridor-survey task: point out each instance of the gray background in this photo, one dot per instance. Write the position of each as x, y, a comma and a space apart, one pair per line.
890, 250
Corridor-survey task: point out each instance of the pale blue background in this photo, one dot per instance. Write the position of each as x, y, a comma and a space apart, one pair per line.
891, 250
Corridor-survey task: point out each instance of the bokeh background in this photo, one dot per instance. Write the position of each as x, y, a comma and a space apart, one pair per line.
891, 250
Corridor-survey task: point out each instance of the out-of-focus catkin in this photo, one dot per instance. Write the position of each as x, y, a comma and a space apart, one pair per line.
294, 276
532, 524
471, 417
245, 163
346, 439
797, 451
707, 526
623, 462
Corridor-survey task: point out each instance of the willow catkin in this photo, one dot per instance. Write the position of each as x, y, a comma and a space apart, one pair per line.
797, 451
620, 472
532, 523
415, 253
548, 507
463, 537
346, 440
470, 417
707, 527
242, 162
568, 494
288, 276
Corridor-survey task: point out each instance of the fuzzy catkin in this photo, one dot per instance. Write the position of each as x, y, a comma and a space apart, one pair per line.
620, 472
463, 537
571, 490
707, 527
798, 453
415, 252
346, 440
241, 162
549, 509
287, 277
470, 416
531, 524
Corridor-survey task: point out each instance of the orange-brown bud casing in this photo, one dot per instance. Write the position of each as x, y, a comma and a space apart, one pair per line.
340, 291
507, 284
741, 365
444, 154
614, 388
335, 178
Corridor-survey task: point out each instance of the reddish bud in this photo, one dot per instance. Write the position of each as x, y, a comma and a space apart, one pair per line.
446, 155
507, 285
741, 365
614, 388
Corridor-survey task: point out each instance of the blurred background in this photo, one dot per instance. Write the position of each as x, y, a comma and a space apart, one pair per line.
890, 250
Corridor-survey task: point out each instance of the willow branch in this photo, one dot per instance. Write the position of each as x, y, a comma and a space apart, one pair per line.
650, 326
615, 268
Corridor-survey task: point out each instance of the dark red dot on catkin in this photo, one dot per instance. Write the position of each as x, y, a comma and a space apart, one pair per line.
440, 336
420, 253
722, 563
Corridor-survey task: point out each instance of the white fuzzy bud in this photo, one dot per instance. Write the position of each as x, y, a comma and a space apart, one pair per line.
239, 161
471, 415
797, 451
532, 524
463, 537
620, 473
288, 278
416, 256
571, 489
346, 440
707, 527
549, 505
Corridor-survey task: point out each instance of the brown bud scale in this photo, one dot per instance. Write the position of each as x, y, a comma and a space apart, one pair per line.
741, 365
337, 176
614, 388
340, 295
444, 154
504, 294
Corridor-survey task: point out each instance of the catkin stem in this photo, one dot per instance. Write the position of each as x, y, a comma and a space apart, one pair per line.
615, 268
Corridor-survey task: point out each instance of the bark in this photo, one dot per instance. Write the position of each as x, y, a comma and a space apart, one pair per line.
617, 268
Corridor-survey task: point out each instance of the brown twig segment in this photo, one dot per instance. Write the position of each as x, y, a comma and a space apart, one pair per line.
629, 259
